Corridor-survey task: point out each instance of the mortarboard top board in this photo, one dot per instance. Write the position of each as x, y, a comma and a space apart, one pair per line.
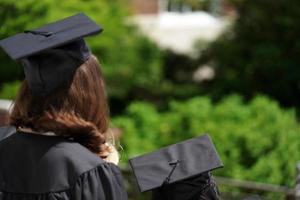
49, 36
175, 163
50, 54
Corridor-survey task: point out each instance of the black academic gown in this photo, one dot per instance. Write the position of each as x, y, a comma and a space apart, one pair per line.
40, 167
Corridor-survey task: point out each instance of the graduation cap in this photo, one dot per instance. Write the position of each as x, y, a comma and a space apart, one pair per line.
172, 164
52, 53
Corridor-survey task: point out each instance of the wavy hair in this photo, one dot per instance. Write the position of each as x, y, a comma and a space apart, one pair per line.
77, 110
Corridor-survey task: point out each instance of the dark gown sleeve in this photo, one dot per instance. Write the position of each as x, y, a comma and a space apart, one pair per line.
104, 182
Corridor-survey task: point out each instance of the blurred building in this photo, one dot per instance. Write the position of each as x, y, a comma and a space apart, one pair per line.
178, 26
138, 7
145, 6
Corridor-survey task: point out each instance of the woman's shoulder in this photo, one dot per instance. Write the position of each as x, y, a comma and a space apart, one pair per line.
102, 182
54, 148
6, 131
38, 164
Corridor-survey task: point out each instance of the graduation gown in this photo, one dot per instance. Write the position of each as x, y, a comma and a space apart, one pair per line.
40, 167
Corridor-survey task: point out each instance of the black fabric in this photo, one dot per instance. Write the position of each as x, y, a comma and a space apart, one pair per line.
6, 131
202, 187
54, 67
62, 32
175, 163
51, 54
54, 168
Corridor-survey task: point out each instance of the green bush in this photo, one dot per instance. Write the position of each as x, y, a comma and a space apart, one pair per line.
257, 141
260, 53
9, 90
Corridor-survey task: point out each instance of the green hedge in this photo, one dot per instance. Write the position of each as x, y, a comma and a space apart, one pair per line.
257, 141
260, 53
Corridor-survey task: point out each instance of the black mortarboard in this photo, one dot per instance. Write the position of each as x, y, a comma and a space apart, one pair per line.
175, 163
51, 54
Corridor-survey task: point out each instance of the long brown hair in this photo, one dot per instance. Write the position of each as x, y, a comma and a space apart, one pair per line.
78, 110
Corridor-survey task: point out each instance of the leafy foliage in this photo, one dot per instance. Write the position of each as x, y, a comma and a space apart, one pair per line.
9, 90
260, 53
257, 141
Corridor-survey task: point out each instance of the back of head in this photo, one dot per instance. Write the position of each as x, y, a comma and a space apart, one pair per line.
63, 91
77, 110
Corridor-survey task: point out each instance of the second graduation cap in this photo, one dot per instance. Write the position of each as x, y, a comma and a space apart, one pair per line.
175, 163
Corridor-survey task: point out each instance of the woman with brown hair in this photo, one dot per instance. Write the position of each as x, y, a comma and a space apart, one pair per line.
60, 149
79, 111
